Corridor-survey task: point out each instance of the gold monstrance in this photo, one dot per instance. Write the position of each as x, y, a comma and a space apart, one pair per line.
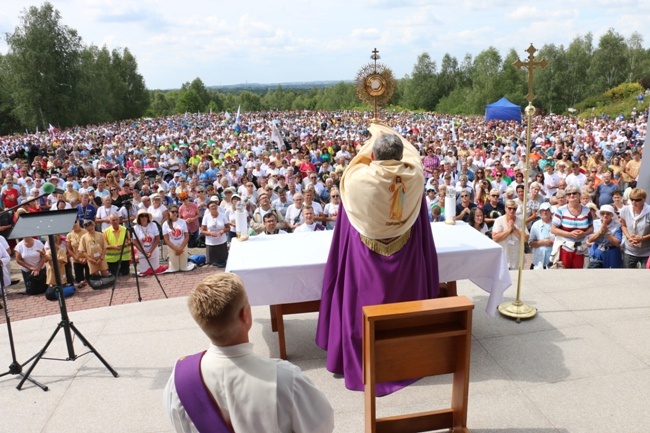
518, 309
375, 83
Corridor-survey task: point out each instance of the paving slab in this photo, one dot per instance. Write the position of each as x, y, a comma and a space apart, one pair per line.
581, 365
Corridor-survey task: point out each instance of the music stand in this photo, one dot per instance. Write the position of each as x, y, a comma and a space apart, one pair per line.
50, 224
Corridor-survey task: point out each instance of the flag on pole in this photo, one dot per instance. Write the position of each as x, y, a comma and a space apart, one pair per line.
236, 127
227, 116
276, 136
453, 131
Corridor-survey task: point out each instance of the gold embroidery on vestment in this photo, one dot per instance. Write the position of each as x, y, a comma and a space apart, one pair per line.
386, 247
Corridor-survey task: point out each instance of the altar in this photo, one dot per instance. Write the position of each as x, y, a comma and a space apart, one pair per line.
286, 271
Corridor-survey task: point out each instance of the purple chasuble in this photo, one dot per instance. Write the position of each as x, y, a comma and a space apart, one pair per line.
356, 276
196, 398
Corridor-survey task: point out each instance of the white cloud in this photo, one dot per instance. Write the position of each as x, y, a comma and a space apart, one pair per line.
365, 33
230, 42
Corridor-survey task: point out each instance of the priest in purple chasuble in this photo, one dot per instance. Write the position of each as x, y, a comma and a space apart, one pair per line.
382, 249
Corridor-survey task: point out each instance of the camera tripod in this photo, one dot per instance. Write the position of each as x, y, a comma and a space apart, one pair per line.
130, 232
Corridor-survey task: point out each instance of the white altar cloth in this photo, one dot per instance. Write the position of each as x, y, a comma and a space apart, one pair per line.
284, 269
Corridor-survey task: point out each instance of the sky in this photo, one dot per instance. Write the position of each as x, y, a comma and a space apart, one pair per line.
261, 41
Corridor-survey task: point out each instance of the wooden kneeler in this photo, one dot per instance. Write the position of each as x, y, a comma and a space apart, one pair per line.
409, 340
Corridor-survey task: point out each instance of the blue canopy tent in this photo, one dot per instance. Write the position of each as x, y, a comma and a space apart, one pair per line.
503, 110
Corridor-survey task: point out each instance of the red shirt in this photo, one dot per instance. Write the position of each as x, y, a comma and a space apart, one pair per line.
10, 197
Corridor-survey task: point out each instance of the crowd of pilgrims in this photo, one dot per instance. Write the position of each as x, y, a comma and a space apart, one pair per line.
179, 181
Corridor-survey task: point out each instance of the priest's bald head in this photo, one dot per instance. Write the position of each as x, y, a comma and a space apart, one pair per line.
388, 147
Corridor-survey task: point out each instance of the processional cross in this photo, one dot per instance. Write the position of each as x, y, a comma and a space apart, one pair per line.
517, 309
531, 64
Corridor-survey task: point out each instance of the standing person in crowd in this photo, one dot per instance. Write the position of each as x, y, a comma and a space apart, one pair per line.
493, 209
294, 212
146, 230
331, 209
177, 237
30, 256
103, 213
10, 194
85, 209
507, 232
385, 180
116, 237
310, 225
157, 210
214, 227
635, 222
189, 212
541, 239
257, 221
604, 243
571, 225
247, 393
93, 248
605, 190
271, 226
464, 208
477, 220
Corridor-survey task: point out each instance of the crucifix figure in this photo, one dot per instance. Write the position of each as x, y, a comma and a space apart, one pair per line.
531, 64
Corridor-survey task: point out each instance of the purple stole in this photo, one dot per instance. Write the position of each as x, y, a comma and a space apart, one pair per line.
195, 397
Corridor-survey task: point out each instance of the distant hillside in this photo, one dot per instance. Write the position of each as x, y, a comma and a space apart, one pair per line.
259, 87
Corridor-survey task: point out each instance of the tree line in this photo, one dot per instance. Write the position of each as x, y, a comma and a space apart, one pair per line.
49, 77
577, 75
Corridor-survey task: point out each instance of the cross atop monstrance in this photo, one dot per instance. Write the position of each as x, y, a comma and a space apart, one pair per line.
531, 64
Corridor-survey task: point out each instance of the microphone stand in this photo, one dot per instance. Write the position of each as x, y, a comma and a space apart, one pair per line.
15, 367
48, 188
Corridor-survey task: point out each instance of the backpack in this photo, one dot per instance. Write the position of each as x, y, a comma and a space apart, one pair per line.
197, 259
51, 294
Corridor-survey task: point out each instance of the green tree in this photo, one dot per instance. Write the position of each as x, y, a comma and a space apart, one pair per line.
421, 91
93, 88
579, 56
44, 67
638, 58
136, 97
250, 101
200, 90
486, 77
449, 76
189, 102
514, 81
609, 66
8, 122
161, 105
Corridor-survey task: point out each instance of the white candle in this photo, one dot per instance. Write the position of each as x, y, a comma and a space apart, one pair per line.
241, 224
450, 209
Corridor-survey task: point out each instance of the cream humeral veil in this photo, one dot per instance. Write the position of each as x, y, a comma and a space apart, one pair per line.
382, 198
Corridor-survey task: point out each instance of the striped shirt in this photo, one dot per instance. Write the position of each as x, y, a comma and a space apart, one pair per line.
565, 220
